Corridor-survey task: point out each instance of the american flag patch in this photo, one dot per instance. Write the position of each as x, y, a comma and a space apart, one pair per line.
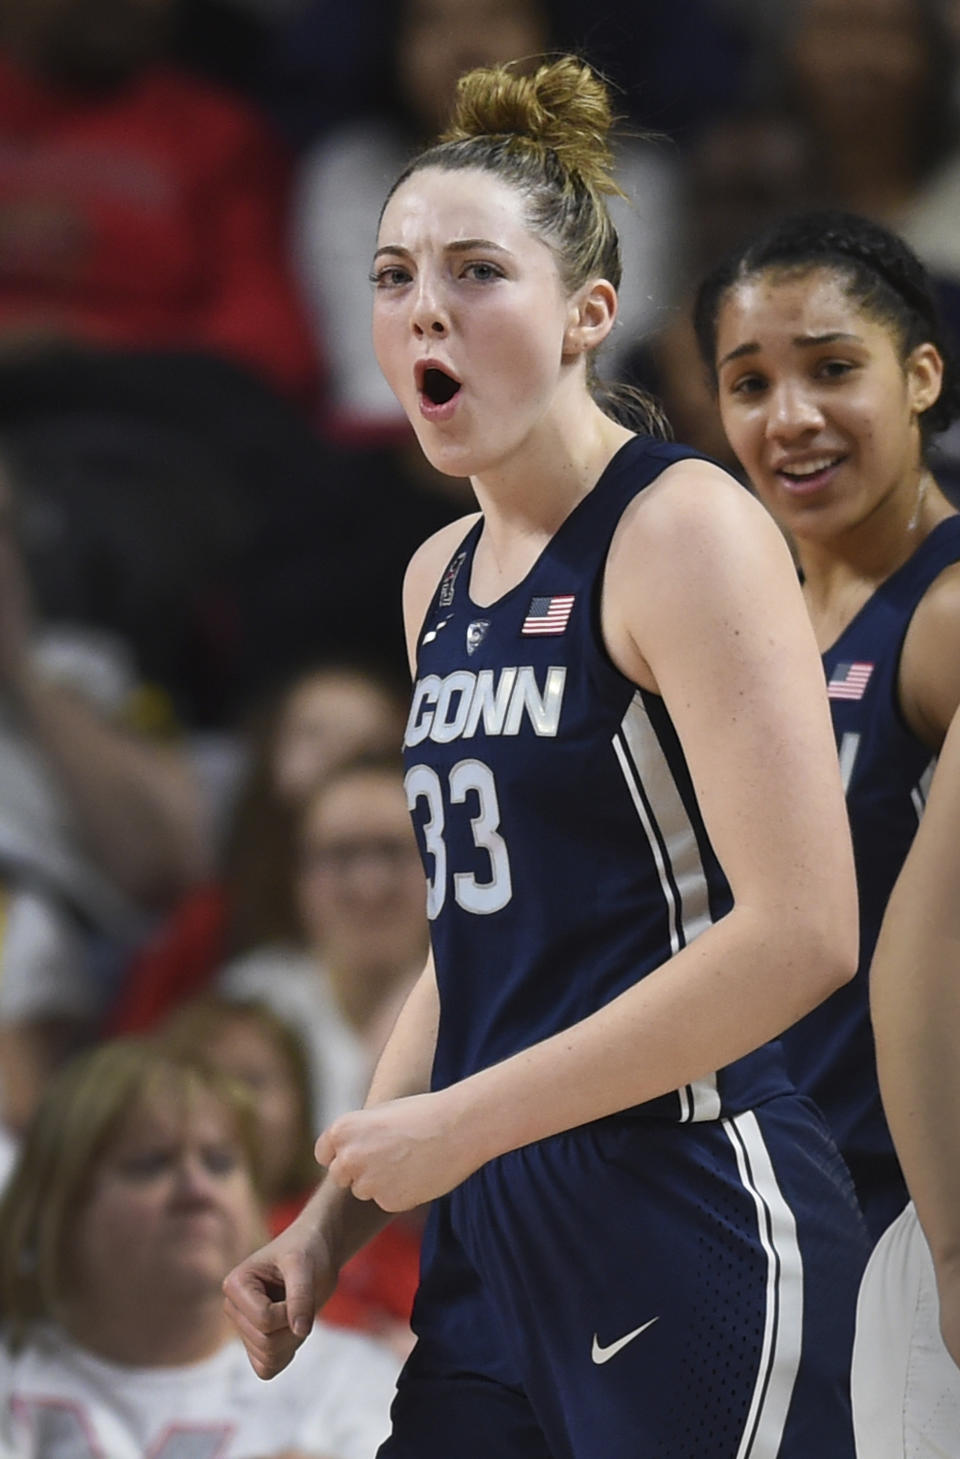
848, 681
548, 615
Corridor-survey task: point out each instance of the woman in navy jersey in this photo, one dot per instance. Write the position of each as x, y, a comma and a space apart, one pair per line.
620, 769
832, 376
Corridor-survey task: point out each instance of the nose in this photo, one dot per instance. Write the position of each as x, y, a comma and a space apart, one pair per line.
194, 1181
430, 317
793, 411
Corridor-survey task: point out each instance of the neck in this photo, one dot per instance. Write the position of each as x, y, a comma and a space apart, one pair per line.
537, 488
874, 548
174, 1335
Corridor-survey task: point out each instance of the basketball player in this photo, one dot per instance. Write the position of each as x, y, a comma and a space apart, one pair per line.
620, 768
831, 370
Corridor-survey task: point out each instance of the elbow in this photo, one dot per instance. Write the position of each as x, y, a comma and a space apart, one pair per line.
831, 951
813, 946
841, 968
826, 926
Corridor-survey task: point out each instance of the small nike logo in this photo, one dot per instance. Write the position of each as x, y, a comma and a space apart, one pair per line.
603, 1355
429, 637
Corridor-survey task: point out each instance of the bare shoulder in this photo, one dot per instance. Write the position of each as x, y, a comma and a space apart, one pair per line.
423, 573
691, 511
925, 896
939, 609
695, 557
930, 662
431, 557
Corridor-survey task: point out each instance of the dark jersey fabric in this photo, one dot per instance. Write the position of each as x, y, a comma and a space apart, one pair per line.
886, 769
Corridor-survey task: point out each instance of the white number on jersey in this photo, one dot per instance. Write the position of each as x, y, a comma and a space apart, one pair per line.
481, 897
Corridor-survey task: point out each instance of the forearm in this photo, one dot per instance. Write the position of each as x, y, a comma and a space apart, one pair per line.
333, 1216
406, 1062
915, 991
334, 1225
735, 987
136, 805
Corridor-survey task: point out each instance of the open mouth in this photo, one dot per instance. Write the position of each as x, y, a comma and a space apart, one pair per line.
438, 386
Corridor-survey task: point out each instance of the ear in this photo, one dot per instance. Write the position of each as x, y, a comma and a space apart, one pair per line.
924, 371
592, 312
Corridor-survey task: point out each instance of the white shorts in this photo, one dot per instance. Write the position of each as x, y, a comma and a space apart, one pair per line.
905, 1386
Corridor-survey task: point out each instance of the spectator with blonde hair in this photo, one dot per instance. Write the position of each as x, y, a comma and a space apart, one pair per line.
136, 1189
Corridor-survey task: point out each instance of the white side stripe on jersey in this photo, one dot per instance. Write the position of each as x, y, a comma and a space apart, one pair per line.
849, 749
783, 1324
643, 811
921, 790
676, 854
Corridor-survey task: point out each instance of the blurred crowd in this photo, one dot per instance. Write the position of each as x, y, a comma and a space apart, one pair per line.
207, 501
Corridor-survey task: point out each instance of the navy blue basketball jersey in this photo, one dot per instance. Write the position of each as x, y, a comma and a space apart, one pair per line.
565, 852
886, 771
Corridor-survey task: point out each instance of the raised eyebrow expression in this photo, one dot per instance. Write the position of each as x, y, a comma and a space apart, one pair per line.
799, 341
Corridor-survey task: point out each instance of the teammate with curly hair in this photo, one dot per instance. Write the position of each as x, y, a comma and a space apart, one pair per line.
833, 377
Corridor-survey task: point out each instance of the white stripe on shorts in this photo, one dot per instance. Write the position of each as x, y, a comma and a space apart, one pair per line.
783, 1323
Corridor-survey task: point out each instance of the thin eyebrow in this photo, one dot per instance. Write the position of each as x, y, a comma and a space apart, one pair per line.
802, 341
459, 245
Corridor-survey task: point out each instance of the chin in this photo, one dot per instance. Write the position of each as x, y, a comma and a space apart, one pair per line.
198, 1276
448, 459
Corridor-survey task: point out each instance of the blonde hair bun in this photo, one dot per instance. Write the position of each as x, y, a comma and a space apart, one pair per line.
563, 106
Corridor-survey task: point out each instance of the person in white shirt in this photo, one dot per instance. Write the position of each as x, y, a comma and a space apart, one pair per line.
134, 1193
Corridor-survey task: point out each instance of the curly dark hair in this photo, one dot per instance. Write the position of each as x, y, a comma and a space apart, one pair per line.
878, 269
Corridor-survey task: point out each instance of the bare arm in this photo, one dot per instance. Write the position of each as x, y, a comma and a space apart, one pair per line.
343, 1223
915, 1003
930, 662
273, 1295
701, 604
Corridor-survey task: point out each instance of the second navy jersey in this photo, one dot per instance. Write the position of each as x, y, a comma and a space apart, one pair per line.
886, 770
565, 852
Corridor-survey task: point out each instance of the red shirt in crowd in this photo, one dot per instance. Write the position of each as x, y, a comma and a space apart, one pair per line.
153, 216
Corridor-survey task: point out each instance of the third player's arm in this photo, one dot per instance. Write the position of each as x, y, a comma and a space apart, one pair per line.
929, 685
915, 1002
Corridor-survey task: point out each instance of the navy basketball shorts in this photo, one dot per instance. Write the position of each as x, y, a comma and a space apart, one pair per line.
634, 1289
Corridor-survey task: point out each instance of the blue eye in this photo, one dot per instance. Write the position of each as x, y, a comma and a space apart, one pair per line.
481, 272
393, 276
